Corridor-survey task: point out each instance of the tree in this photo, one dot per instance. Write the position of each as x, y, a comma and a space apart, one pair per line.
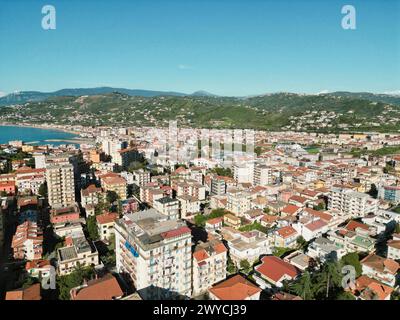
329, 280
245, 266
74, 279
91, 225
301, 242
43, 190
352, 259
320, 206
135, 165
303, 287
373, 192
111, 196
231, 267
29, 281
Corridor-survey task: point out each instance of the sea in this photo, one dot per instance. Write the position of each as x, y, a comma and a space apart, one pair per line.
34, 136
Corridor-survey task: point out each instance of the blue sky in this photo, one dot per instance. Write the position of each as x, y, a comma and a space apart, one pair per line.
227, 47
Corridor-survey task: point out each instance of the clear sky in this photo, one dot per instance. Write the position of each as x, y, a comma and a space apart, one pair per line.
227, 47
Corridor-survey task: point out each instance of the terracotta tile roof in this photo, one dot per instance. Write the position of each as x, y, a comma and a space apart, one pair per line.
290, 209
37, 264
105, 288
315, 225
214, 221
107, 217
286, 232
368, 287
175, 233
353, 225
235, 288
30, 293
381, 264
298, 199
321, 214
275, 268
394, 244
114, 180
90, 189
201, 255
285, 296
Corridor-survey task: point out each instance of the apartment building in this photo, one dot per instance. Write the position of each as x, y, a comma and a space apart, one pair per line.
30, 180
105, 224
262, 175
189, 206
116, 184
191, 188
209, 265
149, 194
238, 202
393, 249
218, 186
141, 177
389, 193
125, 157
243, 172
155, 254
27, 242
351, 203
60, 185
79, 251
246, 245
168, 207
91, 195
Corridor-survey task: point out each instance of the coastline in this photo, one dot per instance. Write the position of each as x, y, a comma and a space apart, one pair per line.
38, 126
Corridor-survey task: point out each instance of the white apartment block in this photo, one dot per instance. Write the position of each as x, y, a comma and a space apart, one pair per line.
238, 202
243, 173
262, 175
189, 206
218, 186
352, 203
61, 185
141, 177
168, 207
155, 253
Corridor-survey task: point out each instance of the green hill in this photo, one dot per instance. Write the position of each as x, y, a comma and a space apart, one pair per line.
281, 111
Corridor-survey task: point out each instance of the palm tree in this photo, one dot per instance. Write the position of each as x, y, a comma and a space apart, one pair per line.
329, 278
303, 287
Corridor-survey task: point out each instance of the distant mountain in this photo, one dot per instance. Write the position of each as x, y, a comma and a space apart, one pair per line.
374, 97
35, 96
202, 93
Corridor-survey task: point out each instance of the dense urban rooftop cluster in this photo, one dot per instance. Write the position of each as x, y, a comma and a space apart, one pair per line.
124, 217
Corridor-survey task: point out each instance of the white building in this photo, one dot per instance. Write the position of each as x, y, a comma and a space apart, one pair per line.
168, 207
155, 253
355, 204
